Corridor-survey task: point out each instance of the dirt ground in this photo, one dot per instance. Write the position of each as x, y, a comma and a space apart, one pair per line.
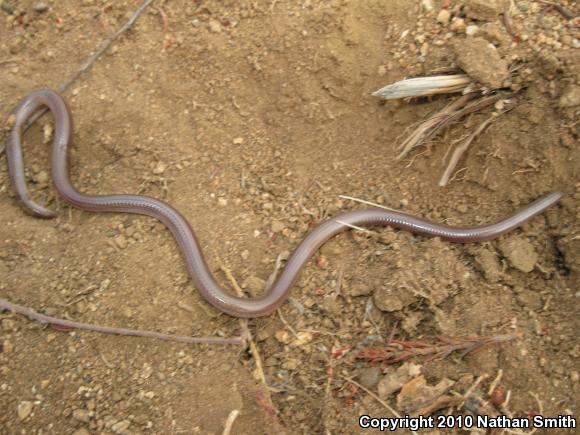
251, 118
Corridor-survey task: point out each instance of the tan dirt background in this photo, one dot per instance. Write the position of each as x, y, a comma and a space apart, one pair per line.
251, 124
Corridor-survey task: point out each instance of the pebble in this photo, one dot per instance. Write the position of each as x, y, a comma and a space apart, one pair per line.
81, 431
121, 426
283, 336
369, 377
121, 242
7, 347
238, 141
245, 254
215, 26
7, 7
40, 7
222, 202
481, 61
444, 16
520, 253
81, 415
570, 97
24, 410
457, 24
159, 168
277, 226
41, 177
302, 338
427, 5
471, 30
485, 10
254, 285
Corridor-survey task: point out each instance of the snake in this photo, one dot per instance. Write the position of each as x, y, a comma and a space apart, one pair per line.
201, 276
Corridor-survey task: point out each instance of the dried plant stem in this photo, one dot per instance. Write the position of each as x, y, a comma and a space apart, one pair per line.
252, 345
399, 350
362, 201
31, 314
460, 150
377, 398
230, 421
427, 128
88, 63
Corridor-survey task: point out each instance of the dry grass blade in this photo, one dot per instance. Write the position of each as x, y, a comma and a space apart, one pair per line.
425, 129
448, 116
460, 150
424, 86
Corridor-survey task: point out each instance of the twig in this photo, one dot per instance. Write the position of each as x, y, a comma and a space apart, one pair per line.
66, 324
267, 397
230, 421
377, 398
88, 63
460, 150
286, 324
495, 382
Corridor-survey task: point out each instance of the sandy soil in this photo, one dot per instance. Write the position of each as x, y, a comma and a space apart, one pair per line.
251, 118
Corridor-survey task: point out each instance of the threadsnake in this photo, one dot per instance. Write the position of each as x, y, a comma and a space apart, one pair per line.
200, 274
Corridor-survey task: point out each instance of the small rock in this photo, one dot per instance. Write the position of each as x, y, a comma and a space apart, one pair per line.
359, 289
471, 30
283, 336
121, 426
81, 415
302, 338
416, 394
485, 10
7, 7
570, 97
481, 61
121, 241
245, 255
159, 168
495, 34
215, 26
24, 410
254, 285
369, 377
520, 253
41, 177
40, 7
7, 347
81, 431
238, 141
427, 5
8, 325
222, 202
488, 263
444, 16
457, 25
393, 382
277, 226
